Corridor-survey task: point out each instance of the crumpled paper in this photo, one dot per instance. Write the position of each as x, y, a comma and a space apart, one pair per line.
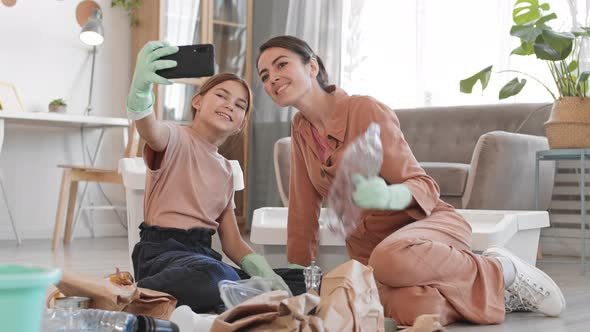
349, 301
255, 312
117, 292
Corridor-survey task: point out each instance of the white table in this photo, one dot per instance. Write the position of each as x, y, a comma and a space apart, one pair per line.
84, 122
67, 120
62, 119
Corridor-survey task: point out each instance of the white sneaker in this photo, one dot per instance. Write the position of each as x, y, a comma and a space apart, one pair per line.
532, 289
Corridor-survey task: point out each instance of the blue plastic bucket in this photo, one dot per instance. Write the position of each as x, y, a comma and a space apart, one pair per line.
22, 296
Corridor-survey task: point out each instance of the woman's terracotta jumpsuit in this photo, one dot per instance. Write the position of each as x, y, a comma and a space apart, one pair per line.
421, 256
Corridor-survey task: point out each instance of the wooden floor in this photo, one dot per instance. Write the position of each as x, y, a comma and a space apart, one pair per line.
100, 256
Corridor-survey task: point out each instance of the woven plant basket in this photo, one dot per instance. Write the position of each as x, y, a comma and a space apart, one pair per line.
568, 126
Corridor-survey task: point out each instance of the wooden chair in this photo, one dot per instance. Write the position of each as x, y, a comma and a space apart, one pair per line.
73, 174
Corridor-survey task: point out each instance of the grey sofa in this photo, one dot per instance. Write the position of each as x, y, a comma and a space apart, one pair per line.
472, 152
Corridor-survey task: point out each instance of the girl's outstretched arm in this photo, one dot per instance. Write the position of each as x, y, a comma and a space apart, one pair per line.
140, 101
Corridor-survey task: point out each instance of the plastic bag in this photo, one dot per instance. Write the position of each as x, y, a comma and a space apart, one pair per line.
235, 292
364, 156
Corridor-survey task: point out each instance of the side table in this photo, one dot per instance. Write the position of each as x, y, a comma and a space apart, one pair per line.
568, 154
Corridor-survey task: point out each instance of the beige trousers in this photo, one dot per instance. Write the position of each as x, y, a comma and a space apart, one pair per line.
427, 267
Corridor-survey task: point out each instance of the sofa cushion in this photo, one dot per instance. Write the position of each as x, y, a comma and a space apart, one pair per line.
451, 177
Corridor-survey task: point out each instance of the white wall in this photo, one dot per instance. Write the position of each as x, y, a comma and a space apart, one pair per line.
42, 55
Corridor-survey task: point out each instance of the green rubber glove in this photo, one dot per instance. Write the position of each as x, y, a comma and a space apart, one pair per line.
374, 193
295, 266
140, 100
256, 265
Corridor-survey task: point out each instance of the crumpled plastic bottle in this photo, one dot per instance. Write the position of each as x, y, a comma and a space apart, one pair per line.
87, 320
364, 156
70, 314
313, 277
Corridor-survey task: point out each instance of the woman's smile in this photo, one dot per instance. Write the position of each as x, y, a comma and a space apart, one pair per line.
281, 88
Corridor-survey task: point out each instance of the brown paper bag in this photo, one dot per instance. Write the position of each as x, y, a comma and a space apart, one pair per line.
269, 312
117, 295
152, 303
294, 316
349, 302
256, 311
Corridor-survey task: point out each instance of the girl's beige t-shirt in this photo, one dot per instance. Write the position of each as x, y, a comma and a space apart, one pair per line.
187, 185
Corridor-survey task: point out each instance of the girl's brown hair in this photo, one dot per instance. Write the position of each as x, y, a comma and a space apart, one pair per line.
300, 47
220, 78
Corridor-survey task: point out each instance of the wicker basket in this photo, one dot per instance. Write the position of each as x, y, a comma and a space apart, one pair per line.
568, 126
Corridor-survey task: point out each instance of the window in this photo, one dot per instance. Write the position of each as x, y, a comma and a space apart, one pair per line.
414, 53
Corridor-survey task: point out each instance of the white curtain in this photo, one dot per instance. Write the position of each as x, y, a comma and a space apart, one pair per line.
180, 26
579, 12
580, 18
414, 53
319, 23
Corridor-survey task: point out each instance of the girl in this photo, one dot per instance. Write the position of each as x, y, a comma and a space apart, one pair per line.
189, 188
418, 245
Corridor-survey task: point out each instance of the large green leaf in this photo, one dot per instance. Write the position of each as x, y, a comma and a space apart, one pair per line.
526, 32
553, 46
466, 85
512, 88
524, 49
530, 30
526, 11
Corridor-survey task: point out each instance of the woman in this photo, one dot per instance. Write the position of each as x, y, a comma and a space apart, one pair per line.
189, 192
418, 245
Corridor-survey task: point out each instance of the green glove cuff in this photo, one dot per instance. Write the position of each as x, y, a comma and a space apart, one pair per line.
295, 266
256, 265
400, 197
139, 106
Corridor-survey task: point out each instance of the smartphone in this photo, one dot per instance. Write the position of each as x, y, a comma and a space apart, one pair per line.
192, 61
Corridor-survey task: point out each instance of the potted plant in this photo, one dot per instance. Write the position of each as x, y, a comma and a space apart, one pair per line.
58, 105
568, 126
